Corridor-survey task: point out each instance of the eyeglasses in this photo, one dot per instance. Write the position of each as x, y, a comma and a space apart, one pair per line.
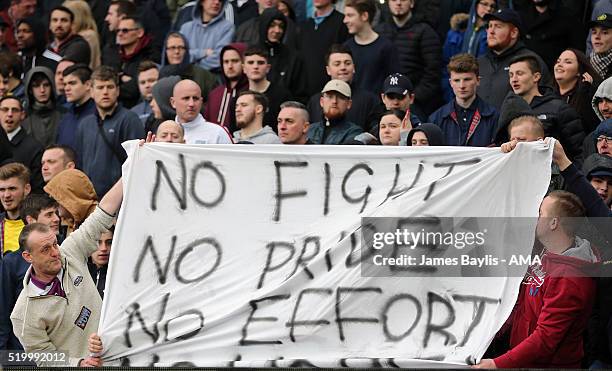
487, 5
603, 138
126, 30
179, 48
10, 109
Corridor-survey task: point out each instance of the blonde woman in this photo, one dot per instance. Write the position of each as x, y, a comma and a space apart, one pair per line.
85, 25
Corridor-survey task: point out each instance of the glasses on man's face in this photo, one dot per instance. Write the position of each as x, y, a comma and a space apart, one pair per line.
177, 48
603, 138
487, 5
10, 109
126, 30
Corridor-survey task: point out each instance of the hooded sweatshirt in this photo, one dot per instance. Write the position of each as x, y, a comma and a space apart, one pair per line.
186, 70
287, 66
43, 118
56, 323
264, 136
162, 91
222, 99
432, 132
212, 35
551, 314
73, 190
34, 56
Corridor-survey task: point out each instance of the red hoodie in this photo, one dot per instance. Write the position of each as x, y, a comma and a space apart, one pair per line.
552, 311
221, 100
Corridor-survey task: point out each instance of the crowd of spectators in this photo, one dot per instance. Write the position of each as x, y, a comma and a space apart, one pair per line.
80, 77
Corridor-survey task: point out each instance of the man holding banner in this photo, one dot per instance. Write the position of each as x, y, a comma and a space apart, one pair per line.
59, 306
556, 297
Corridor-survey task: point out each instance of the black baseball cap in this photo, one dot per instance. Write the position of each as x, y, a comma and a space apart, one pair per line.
603, 20
397, 84
506, 15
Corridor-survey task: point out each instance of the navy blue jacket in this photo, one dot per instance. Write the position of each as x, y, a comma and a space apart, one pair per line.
339, 131
456, 135
12, 271
68, 126
99, 160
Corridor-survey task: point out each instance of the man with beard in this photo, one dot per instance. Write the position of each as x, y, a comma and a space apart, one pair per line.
335, 129
32, 43
366, 106
66, 44
220, 102
419, 52
250, 108
503, 41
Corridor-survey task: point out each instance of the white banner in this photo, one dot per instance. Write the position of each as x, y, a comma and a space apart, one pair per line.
249, 255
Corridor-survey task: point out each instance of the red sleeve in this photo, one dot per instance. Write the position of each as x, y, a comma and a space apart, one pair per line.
565, 300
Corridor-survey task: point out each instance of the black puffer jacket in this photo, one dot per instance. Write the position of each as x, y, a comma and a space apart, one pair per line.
561, 121
420, 54
494, 81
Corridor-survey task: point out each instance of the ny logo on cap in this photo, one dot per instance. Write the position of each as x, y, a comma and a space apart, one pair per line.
394, 80
602, 17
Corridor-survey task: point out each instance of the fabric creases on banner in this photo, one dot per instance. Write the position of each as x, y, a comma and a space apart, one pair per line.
249, 255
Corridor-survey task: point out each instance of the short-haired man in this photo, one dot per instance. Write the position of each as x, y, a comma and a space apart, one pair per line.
148, 74
375, 55
187, 101
366, 106
503, 41
77, 90
50, 323
117, 10
98, 261
560, 120
99, 136
556, 297
66, 43
170, 131
31, 34
467, 120
35, 208
526, 129
335, 129
250, 108
207, 33
598, 170
14, 187
62, 65
55, 159
601, 39
135, 46
221, 100
256, 67
293, 123
24, 147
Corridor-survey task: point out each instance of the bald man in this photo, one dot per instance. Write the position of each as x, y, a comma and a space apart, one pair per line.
170, 132
187, 101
